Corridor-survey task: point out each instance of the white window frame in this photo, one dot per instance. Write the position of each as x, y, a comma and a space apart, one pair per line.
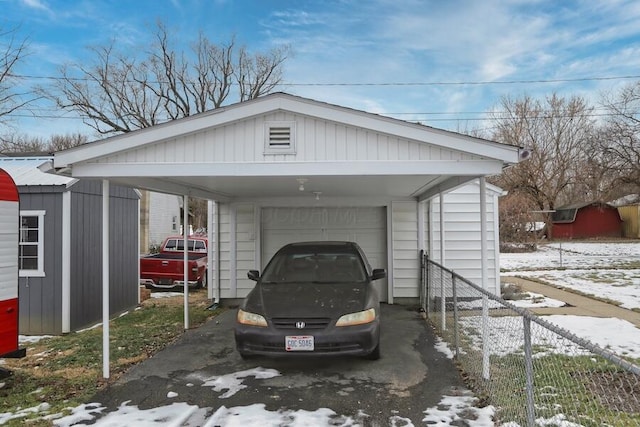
270, 149
39, 272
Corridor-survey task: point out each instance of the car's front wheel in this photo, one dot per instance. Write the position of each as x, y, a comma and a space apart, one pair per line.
245, 356
375, 354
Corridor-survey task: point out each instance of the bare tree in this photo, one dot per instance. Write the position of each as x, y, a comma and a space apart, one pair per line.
35, 145
517, 222
620, 136
12, 51
557, 131
119, 93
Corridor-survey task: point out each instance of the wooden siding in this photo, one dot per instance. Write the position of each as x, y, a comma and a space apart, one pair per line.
463, 234
315, 140
406, 260
41, 297
595, 220
86, 252
631, 217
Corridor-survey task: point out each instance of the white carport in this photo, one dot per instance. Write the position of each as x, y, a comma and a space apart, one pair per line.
282, 153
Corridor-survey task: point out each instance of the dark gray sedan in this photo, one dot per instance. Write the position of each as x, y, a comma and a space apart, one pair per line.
314, 298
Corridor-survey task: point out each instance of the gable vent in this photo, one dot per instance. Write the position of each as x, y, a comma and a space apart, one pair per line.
280, 137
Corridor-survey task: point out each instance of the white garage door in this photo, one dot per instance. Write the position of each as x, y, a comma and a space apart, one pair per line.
363, 225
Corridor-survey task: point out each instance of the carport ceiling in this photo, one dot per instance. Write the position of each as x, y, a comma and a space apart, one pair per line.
228, 188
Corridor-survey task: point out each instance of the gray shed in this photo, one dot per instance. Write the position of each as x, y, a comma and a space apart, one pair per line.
61, 248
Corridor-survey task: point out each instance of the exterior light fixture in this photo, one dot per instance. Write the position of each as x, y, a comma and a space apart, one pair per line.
302, 181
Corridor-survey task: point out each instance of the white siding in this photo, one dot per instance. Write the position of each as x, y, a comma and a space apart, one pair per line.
8, 250
316, 140
236, 256
164, 217
406, 267
462, 234
245, 248
224, 216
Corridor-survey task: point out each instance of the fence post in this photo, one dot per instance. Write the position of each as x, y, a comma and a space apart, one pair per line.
455, 314
528, 365
428, 284
423, 282
443, 302
486, 351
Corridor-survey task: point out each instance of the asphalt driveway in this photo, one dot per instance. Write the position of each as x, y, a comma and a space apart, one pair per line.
204, 369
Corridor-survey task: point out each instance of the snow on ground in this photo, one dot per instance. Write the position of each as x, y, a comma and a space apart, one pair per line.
459, 408
450, 409
527, 300
233, 382
509, 336
605, 270
166, 294
25, 339
609, 270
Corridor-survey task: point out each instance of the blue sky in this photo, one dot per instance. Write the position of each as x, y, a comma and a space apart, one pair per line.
462, 54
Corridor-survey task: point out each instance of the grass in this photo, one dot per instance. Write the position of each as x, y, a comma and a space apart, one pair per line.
587, 390
66, 371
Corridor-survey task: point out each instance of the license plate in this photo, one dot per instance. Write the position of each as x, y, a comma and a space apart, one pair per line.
165, 282
298, 343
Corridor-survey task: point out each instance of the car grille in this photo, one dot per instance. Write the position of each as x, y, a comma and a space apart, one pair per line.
313, 323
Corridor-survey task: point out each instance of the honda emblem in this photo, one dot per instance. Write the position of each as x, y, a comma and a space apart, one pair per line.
300, 325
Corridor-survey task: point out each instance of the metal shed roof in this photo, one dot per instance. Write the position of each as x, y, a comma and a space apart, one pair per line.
24, 171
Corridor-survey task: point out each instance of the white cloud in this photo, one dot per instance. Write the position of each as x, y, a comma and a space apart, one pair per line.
36, 4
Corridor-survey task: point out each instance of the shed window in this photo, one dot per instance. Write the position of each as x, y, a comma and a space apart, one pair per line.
564, 215
279, 138
31, 250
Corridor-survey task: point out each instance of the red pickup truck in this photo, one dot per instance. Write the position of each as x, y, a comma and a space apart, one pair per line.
166, 269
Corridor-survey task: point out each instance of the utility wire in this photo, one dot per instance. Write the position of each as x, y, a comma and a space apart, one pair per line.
436, 83
426, 119
496, 114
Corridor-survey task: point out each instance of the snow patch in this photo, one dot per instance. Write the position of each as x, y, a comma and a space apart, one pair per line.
599, 269
443, 347
174, 414
233, 382
21, 413
459, 409
165, 294
256, 416
32, 339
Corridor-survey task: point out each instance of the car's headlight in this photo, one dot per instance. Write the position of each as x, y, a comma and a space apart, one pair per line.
359, 318
253, 319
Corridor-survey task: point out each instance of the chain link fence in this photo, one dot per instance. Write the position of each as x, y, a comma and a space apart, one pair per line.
532, 372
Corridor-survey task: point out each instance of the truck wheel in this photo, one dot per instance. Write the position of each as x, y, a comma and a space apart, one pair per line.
203, 281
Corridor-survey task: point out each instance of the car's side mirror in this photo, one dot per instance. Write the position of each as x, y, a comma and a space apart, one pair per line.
253, 275
378, 273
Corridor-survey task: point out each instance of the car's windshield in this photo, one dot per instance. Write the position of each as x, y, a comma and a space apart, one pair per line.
315, 266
